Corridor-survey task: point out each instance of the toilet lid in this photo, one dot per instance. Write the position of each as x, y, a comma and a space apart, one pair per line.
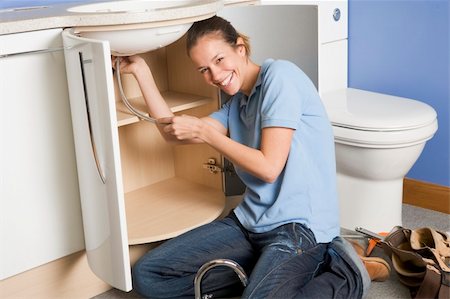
370, 111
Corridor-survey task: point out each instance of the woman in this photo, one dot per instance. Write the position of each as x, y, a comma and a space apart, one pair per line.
275, 131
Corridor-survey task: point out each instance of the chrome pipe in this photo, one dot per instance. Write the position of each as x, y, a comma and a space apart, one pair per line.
133, 110
212, 264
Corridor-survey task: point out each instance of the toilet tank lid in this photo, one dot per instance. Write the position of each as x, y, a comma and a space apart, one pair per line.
371, 111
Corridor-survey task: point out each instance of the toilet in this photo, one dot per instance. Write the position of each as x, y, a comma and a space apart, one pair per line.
378, 139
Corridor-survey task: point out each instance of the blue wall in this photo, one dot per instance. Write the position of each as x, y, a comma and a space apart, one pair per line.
401, 47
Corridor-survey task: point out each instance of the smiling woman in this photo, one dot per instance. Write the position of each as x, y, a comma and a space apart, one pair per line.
275, 131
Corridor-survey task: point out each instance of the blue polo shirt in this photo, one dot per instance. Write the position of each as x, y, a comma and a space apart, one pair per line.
305, 191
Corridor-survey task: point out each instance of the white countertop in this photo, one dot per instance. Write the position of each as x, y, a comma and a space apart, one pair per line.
57, 16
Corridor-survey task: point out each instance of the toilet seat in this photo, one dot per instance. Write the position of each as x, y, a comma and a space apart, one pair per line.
386, 139
370, 119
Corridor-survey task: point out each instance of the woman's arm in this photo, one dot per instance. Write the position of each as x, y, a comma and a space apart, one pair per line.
137, 66
265, 163
156, 105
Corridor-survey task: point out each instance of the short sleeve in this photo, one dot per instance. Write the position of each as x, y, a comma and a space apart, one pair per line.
222, 114
284, 95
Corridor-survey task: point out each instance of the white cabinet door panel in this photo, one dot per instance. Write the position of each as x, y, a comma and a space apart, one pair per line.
93, 109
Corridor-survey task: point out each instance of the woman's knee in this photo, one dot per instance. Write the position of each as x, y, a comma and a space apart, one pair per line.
146, 281
141, 279
349, 266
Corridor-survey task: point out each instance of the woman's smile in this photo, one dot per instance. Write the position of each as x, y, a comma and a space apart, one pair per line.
225, 82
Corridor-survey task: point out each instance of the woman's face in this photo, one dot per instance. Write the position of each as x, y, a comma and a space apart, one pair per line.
220, 64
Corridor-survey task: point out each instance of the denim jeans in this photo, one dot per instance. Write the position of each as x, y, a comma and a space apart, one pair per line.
283, 263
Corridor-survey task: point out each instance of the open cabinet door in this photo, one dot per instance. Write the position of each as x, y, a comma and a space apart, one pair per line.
91, 91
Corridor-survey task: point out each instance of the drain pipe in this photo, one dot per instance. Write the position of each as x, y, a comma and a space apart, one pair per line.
212, 264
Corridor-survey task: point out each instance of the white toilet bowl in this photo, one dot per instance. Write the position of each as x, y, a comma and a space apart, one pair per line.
378, 139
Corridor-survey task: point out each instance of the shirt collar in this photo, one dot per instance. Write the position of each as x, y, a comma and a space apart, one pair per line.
244, 98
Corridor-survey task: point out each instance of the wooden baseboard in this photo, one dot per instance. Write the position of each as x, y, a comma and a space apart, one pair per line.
68, 277
426, 195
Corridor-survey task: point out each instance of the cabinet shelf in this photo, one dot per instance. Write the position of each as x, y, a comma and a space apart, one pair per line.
169, 208
176, 101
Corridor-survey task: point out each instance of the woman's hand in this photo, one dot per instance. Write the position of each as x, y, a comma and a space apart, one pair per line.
129, 64
183, 128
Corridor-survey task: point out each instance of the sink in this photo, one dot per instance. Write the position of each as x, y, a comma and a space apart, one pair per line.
138, 26
130, 41
129, 6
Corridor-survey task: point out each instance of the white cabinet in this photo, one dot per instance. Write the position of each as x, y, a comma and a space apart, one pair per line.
135, 188
40, 217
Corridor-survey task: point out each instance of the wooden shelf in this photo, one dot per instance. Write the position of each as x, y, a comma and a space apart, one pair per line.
169, 208
176, 101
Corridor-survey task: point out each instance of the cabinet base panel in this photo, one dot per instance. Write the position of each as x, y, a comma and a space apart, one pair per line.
68, 277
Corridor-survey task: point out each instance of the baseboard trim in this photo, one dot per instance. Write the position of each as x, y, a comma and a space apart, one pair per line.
68, 277
426, 195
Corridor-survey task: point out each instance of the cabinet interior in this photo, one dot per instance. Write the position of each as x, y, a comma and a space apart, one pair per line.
167, 189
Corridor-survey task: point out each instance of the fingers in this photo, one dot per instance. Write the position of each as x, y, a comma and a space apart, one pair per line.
128, 64
169, 126
165, 120
114, 60
182, 127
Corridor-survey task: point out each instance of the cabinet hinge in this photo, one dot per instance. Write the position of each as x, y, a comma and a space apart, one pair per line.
212, 166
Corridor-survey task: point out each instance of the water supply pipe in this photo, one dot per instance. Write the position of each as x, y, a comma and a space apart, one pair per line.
212, 264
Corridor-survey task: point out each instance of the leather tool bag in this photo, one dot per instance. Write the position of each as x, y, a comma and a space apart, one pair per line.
421, 259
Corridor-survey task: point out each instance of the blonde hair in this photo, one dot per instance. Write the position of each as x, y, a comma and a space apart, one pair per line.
219, 26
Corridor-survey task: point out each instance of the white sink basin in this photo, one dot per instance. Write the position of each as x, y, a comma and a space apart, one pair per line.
129, 6
143, 25
126, 42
